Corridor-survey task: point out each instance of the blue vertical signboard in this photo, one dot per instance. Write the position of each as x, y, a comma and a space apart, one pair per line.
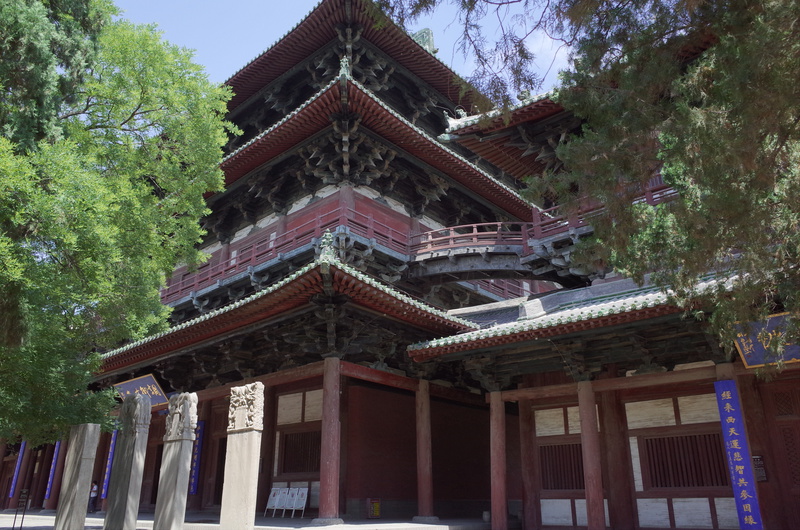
109, 461
197, 450
52, 475
740, 464
16, 469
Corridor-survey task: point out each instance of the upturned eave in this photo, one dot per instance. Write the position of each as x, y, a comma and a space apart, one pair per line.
291, 294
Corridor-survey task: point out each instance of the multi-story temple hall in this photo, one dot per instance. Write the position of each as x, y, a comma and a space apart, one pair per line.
425, 345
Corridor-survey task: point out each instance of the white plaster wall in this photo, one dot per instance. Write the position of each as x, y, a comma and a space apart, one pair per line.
727, 517
210, 249
367, 192
580, 512
267, 220
242, 233
692, 513
653, 513
698, 409
313, 405
427, 221
290, 408
573, 420
549, 422
395, 205
652, 413
636, 464
301, 203
557, 512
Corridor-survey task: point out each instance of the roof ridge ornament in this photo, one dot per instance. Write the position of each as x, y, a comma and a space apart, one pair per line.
327, 250
344, 68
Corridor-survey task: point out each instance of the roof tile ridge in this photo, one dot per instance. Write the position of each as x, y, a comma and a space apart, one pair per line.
456, 124
326, 258
556, 318
283, 120
271, 46
435, 141
647, 298
211, 314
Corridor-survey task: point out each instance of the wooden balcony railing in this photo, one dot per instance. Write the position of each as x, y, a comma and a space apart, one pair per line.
268, 244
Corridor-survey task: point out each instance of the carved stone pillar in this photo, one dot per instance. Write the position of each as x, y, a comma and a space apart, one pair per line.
127, 468
74, 498
176, 462
245, 424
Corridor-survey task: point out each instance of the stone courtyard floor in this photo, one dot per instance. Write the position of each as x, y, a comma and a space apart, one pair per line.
210, 521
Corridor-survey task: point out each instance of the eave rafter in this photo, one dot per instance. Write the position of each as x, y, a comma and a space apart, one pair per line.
345, 97
483, 340
320, 27
323, 277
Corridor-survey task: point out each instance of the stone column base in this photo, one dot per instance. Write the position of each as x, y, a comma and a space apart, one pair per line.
321, 521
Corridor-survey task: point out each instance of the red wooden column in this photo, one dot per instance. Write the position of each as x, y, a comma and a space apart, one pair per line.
424, 458
527, 441
592, 466
757, 425
621, 503
330, 457
497, 452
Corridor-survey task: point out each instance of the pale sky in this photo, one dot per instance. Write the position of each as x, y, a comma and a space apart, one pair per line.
228, 35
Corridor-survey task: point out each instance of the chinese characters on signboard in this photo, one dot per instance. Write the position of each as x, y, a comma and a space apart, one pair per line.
107, 476
20, 456
754, 342
146, 385
52, 475
197, 450
738, 452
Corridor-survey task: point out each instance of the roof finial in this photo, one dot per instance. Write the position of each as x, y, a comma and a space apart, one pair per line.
327, 252
344, 67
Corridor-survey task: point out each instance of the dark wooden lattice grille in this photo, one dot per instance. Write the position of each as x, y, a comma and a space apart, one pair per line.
562, 467
301, 453
692, 461
792, 450
784, 404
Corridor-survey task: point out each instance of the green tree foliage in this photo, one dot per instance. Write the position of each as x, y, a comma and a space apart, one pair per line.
101, 190
496, 34
704, 94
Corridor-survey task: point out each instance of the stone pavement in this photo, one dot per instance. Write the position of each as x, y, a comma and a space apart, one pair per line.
210, 521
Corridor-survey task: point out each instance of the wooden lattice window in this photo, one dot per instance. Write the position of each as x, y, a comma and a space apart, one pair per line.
562, 466
301, 452
688, 461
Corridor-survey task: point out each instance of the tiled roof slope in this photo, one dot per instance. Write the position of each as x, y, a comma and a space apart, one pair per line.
292, 292
319, 27
560, 313
313, 116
